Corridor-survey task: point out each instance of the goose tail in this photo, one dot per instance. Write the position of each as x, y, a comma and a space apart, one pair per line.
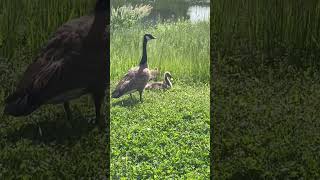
115, 94
18, 104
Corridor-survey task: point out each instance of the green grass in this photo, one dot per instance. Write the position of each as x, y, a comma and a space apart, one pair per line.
60, 151
166, 136
265, 84
269, 26
181, 48
27, 24
266, 123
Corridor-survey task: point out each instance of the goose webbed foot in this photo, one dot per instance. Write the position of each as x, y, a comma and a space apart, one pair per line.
100, 120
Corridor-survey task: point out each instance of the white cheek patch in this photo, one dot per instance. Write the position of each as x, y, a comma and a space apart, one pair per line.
148, 38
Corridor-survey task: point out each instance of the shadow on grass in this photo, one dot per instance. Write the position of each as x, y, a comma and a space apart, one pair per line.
57, 131
247, 174
128, 102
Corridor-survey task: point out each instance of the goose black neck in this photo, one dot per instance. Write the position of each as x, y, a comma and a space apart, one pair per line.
102, 6
167, 80
100, 20
98, 28
144, 53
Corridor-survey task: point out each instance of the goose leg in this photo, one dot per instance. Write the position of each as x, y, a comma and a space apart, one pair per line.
67, 110
140, 93
98, 100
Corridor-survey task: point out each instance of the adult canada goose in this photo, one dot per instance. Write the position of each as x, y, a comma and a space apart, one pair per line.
73, 63
166, 84
136, 78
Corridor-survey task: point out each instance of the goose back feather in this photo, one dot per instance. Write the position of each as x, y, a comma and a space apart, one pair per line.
64, 64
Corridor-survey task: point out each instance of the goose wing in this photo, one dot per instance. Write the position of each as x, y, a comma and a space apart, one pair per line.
49, 66
125, 85
134, 80
128, 79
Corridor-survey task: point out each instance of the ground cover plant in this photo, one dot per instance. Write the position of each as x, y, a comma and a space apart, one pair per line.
265, 85
166, 136
43, 145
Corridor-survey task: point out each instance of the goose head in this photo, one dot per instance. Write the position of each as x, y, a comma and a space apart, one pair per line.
167, 75
148, 37
101, 5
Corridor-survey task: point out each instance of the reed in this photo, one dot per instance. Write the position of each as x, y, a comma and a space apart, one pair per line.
28, 24
266, 25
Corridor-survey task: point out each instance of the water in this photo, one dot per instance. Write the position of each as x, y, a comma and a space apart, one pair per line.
172, 10
199, 13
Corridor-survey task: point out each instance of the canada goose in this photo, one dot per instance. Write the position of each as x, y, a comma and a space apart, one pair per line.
166, 84
136, 78
73, 63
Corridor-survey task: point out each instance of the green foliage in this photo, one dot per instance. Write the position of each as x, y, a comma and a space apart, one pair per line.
266, 89
266, 122
28, 23
165, 137
128, 16
59, 151
271, 26
181, 48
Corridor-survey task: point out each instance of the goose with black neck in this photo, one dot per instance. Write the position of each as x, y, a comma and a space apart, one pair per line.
136, 78
73, 63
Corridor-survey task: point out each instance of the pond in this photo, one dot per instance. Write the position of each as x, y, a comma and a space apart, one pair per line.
171, 10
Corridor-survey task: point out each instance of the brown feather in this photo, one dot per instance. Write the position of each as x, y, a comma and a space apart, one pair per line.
73, 58
166, 84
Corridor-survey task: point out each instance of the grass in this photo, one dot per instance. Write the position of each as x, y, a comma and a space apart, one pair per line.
167, 136
266, 124
27, 24
58, 150
271, 27
265, 82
